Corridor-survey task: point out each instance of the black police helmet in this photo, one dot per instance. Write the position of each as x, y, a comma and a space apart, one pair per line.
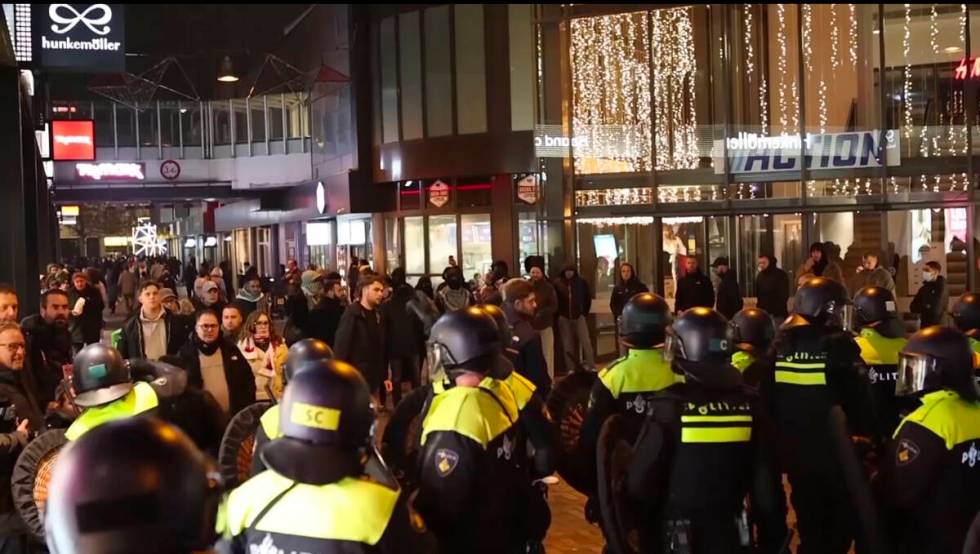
752, 330
872, 305
698, 345
99, 375
821, 300
465, 340
304, 351
937, 358
644, 321
966, 314
133, 485
326, 420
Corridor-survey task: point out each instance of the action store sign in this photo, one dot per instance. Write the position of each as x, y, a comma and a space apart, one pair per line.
72, 140
84, 37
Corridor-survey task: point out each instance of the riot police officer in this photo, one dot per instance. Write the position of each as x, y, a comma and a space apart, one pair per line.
628, 385
752, 333
880, 336
301, 352
930, 479
132, 485
818, 368
315, 497
966, 317
696, 460
469, 471
105, 389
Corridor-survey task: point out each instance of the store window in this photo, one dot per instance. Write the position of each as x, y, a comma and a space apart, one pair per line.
438, 72
477, 256
319, 241
125, 126
274, 103
474, 192
190, 123
169, 130
104, 130
410, 65
414, 245
257, 108
392, 243
780, 236
442, 243
846, 237
389, 80
240, 112
471, 79
222, 122
410, 195
930, 234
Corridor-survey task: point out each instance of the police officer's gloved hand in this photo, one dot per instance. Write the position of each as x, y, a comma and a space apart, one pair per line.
867, 453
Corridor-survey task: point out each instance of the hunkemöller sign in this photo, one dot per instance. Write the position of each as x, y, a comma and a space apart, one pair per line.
88, 37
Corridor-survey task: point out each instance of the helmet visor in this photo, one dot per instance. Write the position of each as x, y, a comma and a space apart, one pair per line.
435, 357
912, 372
672, 348
849, 318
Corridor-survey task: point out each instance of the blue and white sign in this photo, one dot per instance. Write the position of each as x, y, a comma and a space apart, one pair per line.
752, 153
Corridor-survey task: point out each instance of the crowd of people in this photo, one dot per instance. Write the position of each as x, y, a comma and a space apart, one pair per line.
683, 442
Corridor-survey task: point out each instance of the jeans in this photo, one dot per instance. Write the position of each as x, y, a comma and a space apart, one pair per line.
576, 343
548, 347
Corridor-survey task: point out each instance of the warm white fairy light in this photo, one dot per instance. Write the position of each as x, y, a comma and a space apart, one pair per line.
808, 63
787, 86
907, 86
611, 92
614, 197
674, 92
611, 221
933, 29
852, 27
835, 60
747, 23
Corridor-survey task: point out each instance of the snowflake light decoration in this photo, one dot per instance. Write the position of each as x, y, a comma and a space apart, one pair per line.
145, 240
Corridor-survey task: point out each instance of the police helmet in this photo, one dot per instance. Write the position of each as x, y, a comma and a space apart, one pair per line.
937, 358
304, 351
752, 330
698, 346
644, 321
326, 419
133, 485
504, 365
465, 340
966, 314
821, 300
872, 305
99, 375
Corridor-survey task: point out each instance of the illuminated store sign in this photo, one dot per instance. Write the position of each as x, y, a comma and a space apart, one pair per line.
967, 69
84, 37
73, 140
109, 171
751, 153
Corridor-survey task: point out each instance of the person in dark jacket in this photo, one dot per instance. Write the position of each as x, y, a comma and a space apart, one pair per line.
524, 351
361, 334
544, 317
933, 297
574, 305
772, 288
629, 285
21, 416
87, 306
424, 284
405, 345
729, 295
189, 276
215, 365
324, 318
154, 331
694, 288
49, 351
250, 296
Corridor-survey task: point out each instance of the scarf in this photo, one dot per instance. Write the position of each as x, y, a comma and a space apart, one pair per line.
205, 348
248, 297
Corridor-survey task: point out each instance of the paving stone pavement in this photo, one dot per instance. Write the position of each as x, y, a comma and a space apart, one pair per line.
569, 531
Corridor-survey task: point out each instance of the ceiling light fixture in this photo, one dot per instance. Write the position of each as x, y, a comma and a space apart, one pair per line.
227, 73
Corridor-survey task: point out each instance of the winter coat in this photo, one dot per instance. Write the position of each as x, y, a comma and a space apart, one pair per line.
238, 373
323, 320
48, 349
574, 296
127, 283
877, 277
729, 298
86, 328
930, 302
772, 290
693, 290
360, 342
622, 294
267, 366
525, 351
178, 329
407, 335
17, 395
547, 299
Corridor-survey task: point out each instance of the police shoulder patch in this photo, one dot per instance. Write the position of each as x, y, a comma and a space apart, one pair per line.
907, 452
446, 461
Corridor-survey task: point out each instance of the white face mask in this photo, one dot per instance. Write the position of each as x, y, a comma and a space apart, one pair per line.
929, 276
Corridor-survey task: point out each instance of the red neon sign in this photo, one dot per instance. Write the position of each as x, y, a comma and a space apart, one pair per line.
968, 68
73, 140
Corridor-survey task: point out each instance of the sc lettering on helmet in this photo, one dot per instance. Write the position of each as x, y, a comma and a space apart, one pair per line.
317, 417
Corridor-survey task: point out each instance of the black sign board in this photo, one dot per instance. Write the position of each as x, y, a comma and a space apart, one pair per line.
80, 37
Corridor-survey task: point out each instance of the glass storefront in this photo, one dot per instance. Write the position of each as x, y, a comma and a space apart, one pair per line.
747, 129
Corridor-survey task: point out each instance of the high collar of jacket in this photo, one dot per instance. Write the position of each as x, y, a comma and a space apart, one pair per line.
9, 376
159, 318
